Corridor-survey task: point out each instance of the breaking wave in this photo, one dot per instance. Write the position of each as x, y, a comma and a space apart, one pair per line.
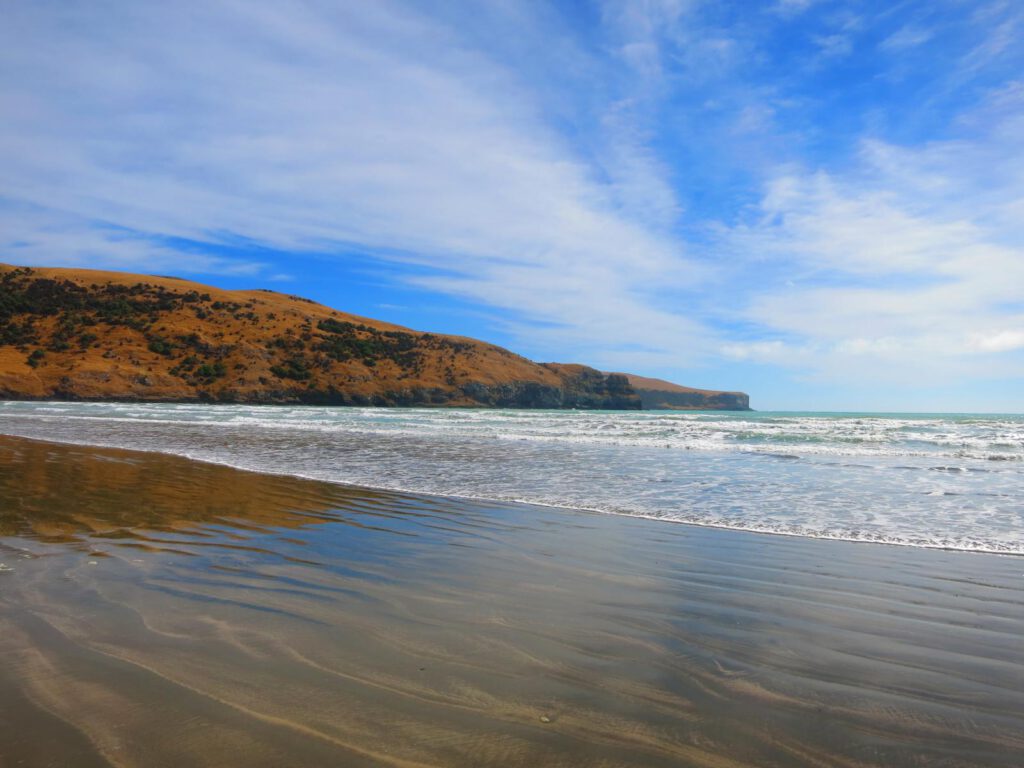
952, 481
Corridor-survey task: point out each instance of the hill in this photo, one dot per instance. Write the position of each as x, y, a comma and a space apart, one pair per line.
88, 335
658, 394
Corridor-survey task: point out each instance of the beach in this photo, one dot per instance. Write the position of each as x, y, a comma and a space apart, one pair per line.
162, 611
588, 384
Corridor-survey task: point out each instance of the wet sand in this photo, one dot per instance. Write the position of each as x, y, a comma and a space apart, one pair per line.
161, 612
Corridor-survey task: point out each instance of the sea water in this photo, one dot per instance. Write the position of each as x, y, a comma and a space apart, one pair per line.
928, 480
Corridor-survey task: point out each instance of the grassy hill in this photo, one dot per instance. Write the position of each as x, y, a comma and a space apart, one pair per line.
84, 334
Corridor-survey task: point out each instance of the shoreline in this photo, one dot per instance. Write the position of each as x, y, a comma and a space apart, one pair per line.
527, 502
181, 612
10, 397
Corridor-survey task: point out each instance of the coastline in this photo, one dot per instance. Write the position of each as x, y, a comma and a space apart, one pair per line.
938, 500
146, 338
164, 598
486, 500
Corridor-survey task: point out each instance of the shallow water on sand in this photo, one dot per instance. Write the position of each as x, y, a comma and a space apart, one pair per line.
945, 481
156, 611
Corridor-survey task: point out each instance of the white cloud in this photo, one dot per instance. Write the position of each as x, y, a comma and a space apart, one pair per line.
1002, 33
761, 351
999, 341
544, 177
316, 126
907, 37
906, 266
35, 237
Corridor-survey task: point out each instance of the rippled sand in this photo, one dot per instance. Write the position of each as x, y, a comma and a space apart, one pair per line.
156, 611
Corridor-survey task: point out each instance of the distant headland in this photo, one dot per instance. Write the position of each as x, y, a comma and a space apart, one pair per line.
77, 334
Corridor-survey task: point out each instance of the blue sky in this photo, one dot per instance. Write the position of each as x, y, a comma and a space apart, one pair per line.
820, 203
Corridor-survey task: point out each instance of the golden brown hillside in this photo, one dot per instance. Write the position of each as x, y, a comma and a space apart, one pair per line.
658, 394
83, 334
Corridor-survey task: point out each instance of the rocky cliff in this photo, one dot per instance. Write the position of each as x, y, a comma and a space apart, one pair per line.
657, 394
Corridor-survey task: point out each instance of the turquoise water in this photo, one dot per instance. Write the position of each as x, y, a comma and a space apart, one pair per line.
929, 480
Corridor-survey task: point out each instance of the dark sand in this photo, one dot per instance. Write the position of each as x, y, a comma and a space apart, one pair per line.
159, 612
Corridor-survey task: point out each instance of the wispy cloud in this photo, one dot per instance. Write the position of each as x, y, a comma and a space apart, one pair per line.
909, 36
658, 183
834, 46
792, 7
32, 236
884, 271
316, 126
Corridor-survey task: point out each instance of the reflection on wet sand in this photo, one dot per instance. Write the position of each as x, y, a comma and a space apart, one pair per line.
155, 611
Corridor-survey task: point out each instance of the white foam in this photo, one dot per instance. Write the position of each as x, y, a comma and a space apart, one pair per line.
916, 481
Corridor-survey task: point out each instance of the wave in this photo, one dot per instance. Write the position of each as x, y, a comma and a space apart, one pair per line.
991, 440
671, 468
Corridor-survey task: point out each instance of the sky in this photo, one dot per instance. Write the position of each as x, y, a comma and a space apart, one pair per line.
820, 203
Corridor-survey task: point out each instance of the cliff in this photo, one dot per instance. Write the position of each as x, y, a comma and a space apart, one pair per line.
657, 394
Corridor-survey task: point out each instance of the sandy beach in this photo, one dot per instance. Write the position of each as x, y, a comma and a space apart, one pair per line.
156, 611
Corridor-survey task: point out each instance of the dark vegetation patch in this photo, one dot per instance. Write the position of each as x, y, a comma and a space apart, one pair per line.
26, 300
295, 368
344, 341
29, 298
41, 317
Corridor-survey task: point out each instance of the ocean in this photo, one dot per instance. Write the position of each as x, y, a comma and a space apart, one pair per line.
953, 481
